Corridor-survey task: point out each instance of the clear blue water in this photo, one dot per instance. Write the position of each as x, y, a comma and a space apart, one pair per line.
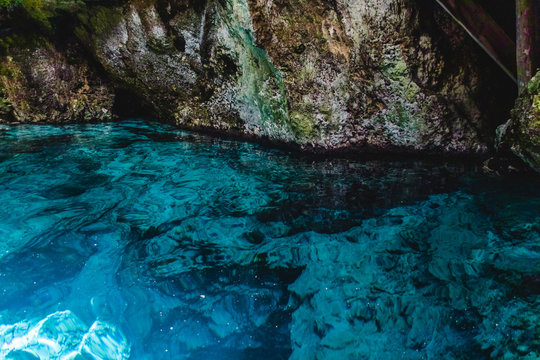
136, 240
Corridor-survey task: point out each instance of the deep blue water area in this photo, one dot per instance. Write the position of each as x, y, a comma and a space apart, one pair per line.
136, 240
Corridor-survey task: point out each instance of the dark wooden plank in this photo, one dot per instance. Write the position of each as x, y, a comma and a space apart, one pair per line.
525, 41
485, 31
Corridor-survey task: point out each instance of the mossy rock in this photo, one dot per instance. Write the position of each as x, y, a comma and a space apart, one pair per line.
41, 85
302, 124
42, 11
522, 134
97, 21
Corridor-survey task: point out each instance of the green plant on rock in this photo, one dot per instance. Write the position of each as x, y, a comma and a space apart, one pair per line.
9, 3
523, 133
399, 115
6, 109
42, 10
99, 20
302, 123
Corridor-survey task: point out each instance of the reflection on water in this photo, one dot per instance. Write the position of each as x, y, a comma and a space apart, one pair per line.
139, 241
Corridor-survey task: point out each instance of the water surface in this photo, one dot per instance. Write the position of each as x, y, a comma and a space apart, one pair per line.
135, 240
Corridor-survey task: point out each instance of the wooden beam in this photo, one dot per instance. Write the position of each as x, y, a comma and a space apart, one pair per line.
525, 41
485, 31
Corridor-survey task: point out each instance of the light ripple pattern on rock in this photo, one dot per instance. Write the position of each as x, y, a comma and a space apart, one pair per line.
62, 336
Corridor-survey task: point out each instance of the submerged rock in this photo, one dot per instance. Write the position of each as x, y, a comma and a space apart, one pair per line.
338, 75
200, 248
62, 335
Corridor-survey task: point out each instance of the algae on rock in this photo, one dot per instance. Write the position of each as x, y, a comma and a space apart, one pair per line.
261, 95
40, 84
522, 133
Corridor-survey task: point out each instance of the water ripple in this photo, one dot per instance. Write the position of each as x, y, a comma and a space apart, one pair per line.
178, 246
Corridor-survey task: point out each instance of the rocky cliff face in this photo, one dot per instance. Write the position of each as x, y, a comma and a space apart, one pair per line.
40, 82
521, 134
342, 74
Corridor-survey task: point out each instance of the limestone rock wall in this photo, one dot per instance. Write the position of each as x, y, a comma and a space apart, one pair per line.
330, 75
40, 83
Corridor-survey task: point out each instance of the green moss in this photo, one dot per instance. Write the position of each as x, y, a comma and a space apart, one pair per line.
411, 89
260, 82
6, 110
99, 20
524, 133
326, 112
264, 83
533, 87
161, 47
536, 104
9, 3
404, 118
192, 113
408, 124
302, 123
396, 69
22, 41
6, 70
41, 11
307, 73
104, 19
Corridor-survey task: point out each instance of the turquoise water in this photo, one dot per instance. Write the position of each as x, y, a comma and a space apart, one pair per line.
139, 241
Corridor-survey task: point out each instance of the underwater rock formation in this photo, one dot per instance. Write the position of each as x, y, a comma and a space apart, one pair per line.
215, 249
335, 75
62, 335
